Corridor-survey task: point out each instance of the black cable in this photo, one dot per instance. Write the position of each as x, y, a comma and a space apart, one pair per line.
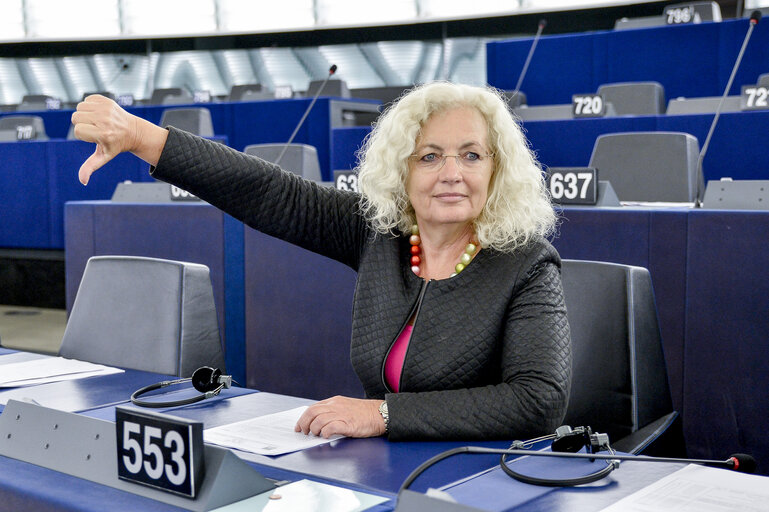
554, 482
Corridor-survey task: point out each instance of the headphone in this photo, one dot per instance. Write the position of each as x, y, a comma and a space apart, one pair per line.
209, 381
570, 440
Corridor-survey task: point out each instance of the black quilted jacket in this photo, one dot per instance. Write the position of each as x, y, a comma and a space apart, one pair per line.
489, 355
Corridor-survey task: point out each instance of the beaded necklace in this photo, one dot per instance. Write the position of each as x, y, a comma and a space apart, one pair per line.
416, 250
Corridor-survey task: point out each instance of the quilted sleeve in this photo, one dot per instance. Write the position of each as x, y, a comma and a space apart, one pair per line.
263, 196
530, 401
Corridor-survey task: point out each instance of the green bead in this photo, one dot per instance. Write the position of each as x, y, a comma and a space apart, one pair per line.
459, 268
465, 259
414, 229
470, 249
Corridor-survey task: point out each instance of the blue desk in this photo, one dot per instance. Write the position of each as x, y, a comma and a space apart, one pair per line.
40, 176
737, 149
292, 308
688, 60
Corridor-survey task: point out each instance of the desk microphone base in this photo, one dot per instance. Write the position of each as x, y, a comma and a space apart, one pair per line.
86, 448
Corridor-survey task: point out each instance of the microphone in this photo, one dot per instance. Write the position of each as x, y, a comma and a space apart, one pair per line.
740, 462
331, 71
755, 16
540, 28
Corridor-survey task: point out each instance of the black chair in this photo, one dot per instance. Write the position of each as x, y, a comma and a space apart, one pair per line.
619, 378
195, 120
23, 127
145, 314
649, 166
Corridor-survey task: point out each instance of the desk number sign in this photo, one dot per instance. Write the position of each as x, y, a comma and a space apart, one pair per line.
346, 180
754, 97
160, 451
178, 194
588, 105
573, 185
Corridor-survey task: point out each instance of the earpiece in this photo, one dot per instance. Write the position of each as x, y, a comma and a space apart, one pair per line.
209, 381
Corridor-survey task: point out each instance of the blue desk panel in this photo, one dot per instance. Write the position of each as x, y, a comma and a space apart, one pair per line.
727, 354
688, 60
38, 177
569, 143
298, 321
345, 143
653, 239
24, 194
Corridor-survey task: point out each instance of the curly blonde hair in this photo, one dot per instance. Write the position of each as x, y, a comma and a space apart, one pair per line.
518, 206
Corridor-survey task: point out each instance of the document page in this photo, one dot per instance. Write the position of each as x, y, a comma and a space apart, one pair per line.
49, 369
699, 489
272, 434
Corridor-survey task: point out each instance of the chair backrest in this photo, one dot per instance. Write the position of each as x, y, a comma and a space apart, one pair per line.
301, 159
635, 98
237, 91
160, 96
146, 314
619, 377
13, 123
335, 87
649, 166
195, 120
34, 102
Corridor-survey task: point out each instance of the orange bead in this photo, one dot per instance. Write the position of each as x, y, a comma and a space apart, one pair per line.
415, 249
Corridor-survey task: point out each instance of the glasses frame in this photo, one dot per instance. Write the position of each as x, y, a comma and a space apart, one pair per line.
443, 157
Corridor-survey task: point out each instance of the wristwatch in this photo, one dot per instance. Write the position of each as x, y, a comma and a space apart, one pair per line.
385, 415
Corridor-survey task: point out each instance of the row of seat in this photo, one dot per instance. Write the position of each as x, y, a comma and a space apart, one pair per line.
641, 166
638, 98
182, 335
239, 92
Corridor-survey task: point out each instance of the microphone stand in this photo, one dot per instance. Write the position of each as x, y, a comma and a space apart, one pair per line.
540, 28
331, 71
754, 17
731, 463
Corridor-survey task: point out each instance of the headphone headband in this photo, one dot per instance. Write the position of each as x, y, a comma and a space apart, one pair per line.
209, 381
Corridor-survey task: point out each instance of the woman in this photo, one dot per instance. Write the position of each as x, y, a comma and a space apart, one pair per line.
459, 327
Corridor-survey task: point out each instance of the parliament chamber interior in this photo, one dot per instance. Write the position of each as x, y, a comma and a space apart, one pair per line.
649, 120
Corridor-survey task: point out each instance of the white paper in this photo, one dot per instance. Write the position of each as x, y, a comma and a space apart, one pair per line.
272, 434
49, 369
699, 489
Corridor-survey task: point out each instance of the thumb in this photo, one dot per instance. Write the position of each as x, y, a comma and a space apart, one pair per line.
92, 163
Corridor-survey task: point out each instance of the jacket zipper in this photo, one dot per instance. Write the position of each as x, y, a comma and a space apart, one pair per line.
415, 312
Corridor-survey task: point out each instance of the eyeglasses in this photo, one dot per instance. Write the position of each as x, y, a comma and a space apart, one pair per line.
467, 161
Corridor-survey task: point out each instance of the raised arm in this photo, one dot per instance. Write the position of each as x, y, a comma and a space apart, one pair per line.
100, 120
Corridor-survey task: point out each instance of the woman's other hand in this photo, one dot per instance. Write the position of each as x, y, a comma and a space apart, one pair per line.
352, 417
100, 120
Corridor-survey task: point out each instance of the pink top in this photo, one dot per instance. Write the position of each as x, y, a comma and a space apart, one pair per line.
394, 362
